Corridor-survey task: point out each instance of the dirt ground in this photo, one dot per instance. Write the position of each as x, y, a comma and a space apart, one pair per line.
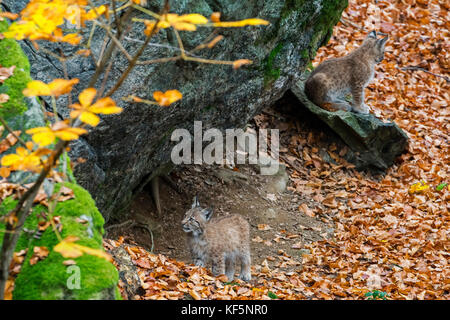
279, 221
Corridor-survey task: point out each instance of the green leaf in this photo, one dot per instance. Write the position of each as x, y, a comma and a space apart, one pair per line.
272, 295
441, 186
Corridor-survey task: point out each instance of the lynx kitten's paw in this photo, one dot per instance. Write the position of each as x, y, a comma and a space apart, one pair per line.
364, 109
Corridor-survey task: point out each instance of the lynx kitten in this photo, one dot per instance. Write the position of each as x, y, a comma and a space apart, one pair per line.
335, 78
219, 240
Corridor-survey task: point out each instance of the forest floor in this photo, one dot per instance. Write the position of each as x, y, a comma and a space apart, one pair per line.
335, 233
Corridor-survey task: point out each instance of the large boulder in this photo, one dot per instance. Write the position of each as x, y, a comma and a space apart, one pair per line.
124, 151
373, 143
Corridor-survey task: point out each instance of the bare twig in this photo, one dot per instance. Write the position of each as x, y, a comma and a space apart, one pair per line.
415, 68
107, 55
116, 41
10, 130
109, 67
132, 63
118, 225
116, 19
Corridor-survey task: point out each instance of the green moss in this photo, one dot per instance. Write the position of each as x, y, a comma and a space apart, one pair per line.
11, 54
271, 73
208, 108
305, 54
290, 6
48, 278
323, 25
69, 168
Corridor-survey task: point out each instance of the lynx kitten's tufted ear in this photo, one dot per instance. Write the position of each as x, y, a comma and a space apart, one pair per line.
207, 213
195, 203
372, 34
382, 42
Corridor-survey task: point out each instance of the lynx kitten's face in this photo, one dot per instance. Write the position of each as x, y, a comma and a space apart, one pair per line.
194, 220
377, 47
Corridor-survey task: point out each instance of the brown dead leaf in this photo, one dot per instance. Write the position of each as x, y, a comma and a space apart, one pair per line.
39, 253
4, 97
5, 73
263, 227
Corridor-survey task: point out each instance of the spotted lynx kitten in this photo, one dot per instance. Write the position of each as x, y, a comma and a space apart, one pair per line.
219, 240
335, 78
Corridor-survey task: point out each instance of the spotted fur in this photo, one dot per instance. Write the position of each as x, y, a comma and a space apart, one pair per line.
335, 78
220, 241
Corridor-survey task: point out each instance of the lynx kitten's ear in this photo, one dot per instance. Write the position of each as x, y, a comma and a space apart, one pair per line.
372, 34
382, 42
207, 213
195, 203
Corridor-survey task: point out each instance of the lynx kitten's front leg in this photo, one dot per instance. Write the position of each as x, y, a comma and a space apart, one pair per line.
358, 101
230, 263
364, 109
218, 266
199, 262
246, 274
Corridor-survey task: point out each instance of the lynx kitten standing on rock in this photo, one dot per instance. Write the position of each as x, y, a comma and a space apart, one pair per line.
219, 240
335, 78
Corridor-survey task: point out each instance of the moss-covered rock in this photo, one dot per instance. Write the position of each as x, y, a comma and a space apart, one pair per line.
11, 54
50, 278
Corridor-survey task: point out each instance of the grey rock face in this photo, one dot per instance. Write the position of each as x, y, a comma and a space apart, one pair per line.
373, 142
126, 149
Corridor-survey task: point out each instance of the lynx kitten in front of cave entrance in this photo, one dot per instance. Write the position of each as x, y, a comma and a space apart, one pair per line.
335, 78
219, 240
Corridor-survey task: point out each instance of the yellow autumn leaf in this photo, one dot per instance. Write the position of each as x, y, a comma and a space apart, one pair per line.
105, 106
21, 30
55, 88
86, 111
87, 96
241, 23
185, 22
71, 38
44, 136
4, 172
418, 187
184, 26
215, 16
95, 13
149, 26
239, 63
23, 159
69, 249
194, 18
167, 98
36, 88
87, 117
